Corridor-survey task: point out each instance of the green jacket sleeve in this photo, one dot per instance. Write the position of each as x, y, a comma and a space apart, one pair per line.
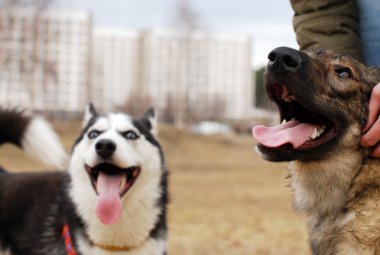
327, 24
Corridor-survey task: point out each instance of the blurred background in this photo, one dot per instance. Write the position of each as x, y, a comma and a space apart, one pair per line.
200, 64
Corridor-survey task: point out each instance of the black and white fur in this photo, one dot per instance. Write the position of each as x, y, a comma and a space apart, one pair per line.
35, 207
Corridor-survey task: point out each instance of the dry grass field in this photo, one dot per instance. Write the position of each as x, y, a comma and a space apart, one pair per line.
225, 200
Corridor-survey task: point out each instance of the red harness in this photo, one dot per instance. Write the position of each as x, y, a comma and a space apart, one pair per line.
68, 242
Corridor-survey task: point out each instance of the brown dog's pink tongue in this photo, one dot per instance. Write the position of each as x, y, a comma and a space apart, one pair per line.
293, 132
109, 207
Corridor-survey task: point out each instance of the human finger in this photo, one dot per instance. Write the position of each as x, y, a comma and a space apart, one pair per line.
373, 107
372, 136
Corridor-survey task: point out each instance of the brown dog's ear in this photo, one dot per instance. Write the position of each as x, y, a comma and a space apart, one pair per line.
149, 120
89, 113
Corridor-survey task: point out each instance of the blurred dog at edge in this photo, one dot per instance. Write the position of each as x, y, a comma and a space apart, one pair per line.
323, 103
111, 201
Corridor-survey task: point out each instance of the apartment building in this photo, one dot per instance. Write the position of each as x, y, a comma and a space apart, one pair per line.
202, 74
116, 66
55, 60
44, 58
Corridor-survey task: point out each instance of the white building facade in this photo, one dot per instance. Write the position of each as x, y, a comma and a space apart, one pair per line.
116, 66
55, 60
203, 75
44, 58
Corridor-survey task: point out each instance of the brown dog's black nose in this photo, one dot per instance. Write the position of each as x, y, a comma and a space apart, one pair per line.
284, 59
105, 148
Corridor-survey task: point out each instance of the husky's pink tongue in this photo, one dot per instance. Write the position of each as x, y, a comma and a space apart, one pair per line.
109, 206
293, 132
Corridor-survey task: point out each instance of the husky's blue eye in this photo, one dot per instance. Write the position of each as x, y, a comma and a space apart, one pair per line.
93, 134
130, 135
344, 72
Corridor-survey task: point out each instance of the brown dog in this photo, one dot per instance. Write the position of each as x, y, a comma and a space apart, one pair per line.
323, 102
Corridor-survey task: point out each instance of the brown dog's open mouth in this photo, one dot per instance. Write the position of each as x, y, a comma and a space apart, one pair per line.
301, 128
109, 176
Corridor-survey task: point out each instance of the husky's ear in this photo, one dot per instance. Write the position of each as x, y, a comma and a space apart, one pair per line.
149, 119
89, 113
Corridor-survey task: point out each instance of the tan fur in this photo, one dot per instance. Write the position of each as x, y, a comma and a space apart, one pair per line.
341, 195
352, 224
340, 190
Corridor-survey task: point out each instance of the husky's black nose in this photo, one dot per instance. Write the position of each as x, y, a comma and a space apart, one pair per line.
284, 59
105, 148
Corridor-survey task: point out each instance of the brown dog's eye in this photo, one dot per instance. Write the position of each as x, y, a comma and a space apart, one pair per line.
344, 73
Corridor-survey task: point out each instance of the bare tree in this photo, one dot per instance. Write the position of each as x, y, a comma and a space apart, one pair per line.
20, 51
186, 17
208, 108
167, 113
136, 104
217, 108
186, 21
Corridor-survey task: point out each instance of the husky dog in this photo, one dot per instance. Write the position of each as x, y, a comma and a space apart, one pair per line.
323, 102
112, 200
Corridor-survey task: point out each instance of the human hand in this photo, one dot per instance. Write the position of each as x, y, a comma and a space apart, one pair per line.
372, 128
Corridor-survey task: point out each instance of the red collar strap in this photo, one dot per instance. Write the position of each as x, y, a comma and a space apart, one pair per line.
70, 247
68, 242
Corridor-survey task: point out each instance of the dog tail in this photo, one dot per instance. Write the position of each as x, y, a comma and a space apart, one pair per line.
33, 134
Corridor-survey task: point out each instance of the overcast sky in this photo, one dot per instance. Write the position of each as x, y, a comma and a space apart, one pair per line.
269, 22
